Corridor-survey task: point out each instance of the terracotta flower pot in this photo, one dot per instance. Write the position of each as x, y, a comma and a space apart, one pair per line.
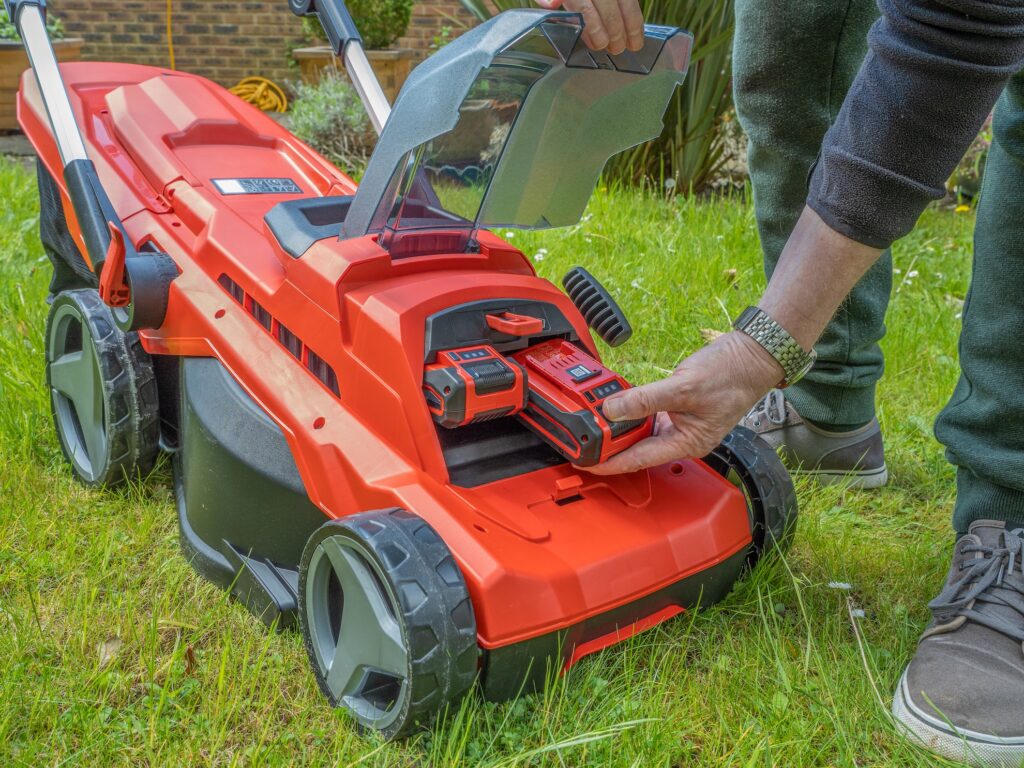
392, 66
14, 61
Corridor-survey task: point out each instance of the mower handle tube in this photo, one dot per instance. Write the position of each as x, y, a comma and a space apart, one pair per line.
345, 40
29, 18
137, 289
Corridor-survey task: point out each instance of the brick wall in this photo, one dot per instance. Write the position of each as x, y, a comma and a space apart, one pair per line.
429, 17
222, 40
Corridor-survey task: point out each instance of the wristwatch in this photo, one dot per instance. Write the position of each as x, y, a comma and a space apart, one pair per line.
777, 342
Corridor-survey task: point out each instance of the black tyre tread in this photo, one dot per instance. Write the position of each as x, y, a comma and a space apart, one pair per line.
131, 403
769, 485
436, 610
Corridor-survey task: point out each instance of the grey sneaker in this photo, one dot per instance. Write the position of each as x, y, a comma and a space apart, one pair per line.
962, 693
854, 458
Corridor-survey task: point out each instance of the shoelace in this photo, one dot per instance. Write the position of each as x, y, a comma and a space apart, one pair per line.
772, 407
995, 578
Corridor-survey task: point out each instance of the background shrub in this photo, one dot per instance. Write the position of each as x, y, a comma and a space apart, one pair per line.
9, 32
330, 118
380, 22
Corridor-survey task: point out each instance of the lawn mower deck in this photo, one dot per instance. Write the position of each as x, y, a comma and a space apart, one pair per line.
316, 477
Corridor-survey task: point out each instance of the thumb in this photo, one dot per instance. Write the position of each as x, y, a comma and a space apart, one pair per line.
549, 5
641, 402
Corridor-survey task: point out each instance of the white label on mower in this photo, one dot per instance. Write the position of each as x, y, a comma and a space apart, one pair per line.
264, 186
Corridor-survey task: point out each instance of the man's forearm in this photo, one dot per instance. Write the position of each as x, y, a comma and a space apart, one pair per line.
934, 70
817, 270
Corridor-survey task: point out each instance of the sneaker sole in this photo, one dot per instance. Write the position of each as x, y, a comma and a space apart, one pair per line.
859, 479
973, 748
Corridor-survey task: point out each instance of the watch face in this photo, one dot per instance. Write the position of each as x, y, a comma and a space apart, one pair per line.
745, 317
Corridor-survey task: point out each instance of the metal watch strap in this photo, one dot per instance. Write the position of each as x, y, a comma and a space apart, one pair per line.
777, 341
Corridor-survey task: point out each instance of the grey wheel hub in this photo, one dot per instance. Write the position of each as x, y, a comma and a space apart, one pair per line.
357, 639
76, 386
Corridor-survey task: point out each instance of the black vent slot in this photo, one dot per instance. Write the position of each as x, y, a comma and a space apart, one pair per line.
233, 288
597, 307
262, 316
319, 368
290, 341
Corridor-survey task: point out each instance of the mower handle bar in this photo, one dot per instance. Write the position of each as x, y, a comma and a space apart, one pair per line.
345, 41
29, 16
93, 208
145, 276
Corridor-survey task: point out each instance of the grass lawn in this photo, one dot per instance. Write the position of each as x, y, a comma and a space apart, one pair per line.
113, 652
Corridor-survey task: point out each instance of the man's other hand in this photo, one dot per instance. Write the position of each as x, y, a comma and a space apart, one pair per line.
612, 25
696, 406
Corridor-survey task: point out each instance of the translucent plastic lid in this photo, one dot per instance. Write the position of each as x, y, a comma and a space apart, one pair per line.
511, 125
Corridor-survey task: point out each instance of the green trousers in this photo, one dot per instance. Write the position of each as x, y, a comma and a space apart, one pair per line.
793, 63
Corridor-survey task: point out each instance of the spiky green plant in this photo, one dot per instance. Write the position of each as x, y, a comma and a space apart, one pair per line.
690, 150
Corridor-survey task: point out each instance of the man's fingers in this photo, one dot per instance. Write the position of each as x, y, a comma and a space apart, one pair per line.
641, 402
614, 25
633, 19
594, 33
549, 5
652, 452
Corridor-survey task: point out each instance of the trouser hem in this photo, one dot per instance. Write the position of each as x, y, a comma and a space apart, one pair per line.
978, 499
826, 404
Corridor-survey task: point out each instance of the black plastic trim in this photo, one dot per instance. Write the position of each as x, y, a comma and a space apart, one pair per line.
93, 209
597, 306
582, 426
241, 501
487, 451
298, 224
465, 325
452, 404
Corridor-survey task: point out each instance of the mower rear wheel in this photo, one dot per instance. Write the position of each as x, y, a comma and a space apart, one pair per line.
752, 465
102, 391
387, 620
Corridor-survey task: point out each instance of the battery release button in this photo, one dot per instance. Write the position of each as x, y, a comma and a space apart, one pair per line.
581, 373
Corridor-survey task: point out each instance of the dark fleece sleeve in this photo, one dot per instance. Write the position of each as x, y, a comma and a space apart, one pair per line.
933, 72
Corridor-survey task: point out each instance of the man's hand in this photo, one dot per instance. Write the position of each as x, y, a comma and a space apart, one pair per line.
696, 406
614, 25
711, 391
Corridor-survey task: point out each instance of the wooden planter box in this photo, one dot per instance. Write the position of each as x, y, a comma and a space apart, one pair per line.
14, 61
392, 66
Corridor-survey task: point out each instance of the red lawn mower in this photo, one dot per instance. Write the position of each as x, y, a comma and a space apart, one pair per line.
375, 408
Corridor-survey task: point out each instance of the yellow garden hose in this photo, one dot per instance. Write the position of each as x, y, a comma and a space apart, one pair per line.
258, 91
262, 94
170, 35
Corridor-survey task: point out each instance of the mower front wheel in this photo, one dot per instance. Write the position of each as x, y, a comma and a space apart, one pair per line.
387, 620
751, 464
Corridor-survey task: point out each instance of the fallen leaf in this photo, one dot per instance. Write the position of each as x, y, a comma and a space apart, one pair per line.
710, 334
190, 661
108, 650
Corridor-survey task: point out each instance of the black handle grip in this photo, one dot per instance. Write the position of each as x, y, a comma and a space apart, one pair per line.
334, 17
93, 209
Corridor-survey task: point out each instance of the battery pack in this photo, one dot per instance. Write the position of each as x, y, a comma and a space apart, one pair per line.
567, 389
473, 384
